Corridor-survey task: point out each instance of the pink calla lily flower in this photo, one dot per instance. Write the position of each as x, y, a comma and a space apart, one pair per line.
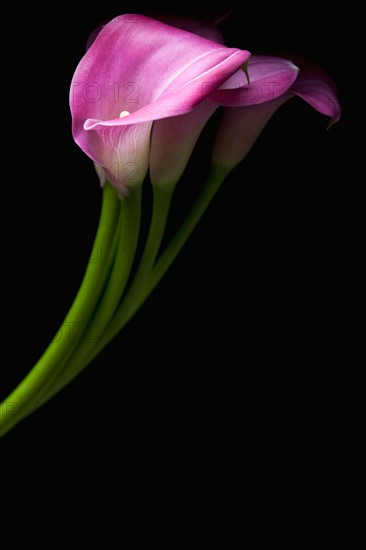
139, 70
249, 107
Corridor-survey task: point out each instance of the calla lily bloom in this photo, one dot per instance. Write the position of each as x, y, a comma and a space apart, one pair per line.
249, 107
139, 70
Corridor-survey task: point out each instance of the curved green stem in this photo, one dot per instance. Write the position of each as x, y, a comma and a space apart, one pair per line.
161, 205
162, 199
126, 251
126, 245
21, 400
213, 184
131, 304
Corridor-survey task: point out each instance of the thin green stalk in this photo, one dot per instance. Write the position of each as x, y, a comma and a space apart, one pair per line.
20, 402
161, 205
84, 337
217, 176
162, 199
131, 304
126, 245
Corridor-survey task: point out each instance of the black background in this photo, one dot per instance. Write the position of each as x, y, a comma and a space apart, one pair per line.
240, 368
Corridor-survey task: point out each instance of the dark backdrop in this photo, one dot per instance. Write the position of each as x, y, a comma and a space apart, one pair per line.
241, 351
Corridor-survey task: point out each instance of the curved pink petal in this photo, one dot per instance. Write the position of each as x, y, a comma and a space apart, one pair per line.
150, 70
270, 77
241, 126
317, 89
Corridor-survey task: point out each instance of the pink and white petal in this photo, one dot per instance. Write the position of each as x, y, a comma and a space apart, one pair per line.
239, 129
122, 153
270, 77
173, 140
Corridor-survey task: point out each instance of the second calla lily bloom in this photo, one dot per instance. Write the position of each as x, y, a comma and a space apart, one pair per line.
139, 70
248, 108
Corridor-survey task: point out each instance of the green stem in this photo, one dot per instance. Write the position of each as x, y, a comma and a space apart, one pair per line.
19, 402
133, 302
213, 184
161, 204
126, 245
129, 235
